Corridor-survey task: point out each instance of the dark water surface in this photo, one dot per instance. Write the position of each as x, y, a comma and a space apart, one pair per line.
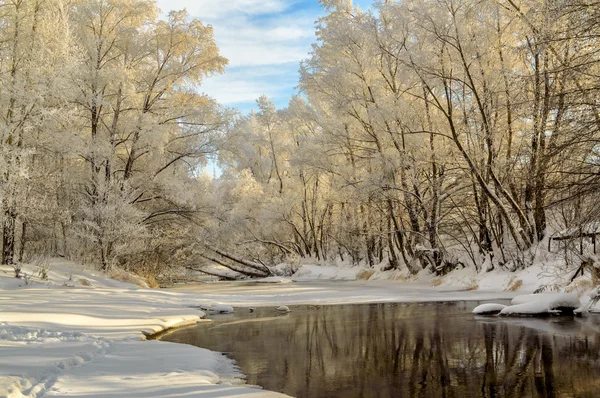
406, 350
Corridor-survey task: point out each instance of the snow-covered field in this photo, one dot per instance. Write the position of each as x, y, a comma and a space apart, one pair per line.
80, 333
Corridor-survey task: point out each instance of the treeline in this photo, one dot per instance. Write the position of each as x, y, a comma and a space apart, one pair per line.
428, 134
102, 129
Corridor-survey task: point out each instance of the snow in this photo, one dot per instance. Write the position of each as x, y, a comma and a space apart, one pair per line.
274, 279
219, 308
533, 304
531, 308
81, 341
28, 335
543, 303
64, 274
528, 279
553, 299
115, 369
180, 370
312, 272
326, 292
62, 337
588, 228
488, 309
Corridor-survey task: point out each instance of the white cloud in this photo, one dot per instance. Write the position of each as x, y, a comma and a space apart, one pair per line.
264, 41
234, 92
240, 87
274, 41
262, 54
213, 9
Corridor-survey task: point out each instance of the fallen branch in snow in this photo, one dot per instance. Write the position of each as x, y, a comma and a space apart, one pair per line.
250, 264
587, 264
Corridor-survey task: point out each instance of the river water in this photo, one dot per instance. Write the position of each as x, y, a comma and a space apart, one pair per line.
406, 350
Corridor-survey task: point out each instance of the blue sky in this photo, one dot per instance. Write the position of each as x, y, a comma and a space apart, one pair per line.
264, 40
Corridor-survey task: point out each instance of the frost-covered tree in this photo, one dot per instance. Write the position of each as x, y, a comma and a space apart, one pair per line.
426, 135
105, 128
36, 51
143, 123
435, 133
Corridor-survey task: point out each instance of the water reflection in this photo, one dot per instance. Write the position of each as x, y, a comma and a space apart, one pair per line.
407, 350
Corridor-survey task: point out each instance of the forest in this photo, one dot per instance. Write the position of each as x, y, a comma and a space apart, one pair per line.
425, 135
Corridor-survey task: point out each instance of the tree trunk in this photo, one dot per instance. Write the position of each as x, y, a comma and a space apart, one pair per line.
8, 235
23, 241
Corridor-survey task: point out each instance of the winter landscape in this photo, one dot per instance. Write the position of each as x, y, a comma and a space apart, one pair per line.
327, 198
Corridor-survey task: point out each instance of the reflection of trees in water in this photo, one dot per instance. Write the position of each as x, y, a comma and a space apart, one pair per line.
410, 351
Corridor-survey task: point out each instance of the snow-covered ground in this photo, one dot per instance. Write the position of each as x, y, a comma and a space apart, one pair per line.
79, 333
244, 294
533, 304
87, 341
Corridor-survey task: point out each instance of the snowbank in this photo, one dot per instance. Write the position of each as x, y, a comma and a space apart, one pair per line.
312, 272
59, 339
546, 272
62, 273
543, 303
533, 304
64, 336
488, 309
553, 299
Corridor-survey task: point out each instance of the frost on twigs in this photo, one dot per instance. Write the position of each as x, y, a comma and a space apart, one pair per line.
42, 266
341, 5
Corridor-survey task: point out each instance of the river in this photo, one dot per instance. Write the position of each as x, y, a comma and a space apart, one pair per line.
406, 350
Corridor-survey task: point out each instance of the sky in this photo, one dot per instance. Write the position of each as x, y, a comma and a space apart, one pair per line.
264, 40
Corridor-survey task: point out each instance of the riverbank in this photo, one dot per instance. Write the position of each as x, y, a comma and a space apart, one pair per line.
79, 333
310, 285
87, 340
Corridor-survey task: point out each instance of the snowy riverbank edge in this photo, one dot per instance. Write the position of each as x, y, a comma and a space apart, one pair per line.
58, 340
64, 338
